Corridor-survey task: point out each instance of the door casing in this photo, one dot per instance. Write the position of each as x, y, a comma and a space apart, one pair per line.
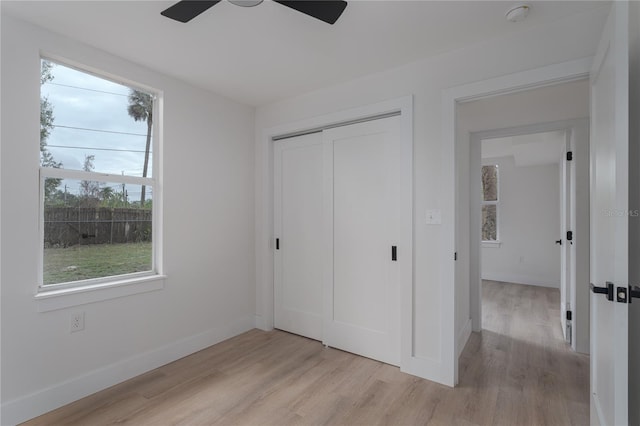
577, 132
539, 77
265, 240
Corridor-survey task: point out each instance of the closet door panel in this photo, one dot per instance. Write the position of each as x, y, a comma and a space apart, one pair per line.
298, 227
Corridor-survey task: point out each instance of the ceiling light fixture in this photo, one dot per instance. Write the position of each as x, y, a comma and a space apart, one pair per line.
517, 13
246, 3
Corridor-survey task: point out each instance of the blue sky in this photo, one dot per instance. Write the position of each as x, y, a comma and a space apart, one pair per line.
96, 109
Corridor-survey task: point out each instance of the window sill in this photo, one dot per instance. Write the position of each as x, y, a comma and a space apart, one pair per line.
491, 244
65, 298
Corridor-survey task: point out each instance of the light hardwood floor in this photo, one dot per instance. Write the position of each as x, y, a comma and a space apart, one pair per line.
518, 371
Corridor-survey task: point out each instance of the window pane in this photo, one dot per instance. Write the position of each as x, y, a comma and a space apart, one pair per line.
95, 230
489, 223
490, 183
83, 115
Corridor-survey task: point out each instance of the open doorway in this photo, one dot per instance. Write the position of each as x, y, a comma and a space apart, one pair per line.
525, 235
524, 212
521, 321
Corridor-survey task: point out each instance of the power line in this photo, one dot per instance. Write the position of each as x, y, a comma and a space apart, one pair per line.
99, 131
86, 88
96, 149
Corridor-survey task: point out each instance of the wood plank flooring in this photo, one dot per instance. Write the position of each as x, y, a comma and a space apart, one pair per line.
518, 371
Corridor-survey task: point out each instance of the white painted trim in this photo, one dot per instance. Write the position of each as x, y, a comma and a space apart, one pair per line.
259, 323
153, 280
520, 279
40, 402
573, 126
544, 76
264, 218
95, 176
550, 126
491, 244
51, 300
463, 337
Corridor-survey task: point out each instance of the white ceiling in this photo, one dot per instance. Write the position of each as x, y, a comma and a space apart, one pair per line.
270, 52
527, 150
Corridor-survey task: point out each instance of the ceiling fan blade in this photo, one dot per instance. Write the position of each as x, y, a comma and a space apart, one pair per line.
325, 10
186, 10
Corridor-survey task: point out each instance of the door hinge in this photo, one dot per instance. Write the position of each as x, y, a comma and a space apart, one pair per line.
569, 235
569, 155
455, 255
277, 243
394, 253
569, 327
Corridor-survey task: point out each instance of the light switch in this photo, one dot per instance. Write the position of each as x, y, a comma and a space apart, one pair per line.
434, 217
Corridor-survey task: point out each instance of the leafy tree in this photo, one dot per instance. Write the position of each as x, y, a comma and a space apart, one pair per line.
109, 197
141, 109
60, 198
46, 125
107, 194
89, 190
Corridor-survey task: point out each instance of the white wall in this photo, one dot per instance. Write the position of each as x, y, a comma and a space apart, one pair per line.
528, 225
209, 294
566, 39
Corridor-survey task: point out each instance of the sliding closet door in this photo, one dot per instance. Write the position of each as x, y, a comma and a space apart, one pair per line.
362, 189
299, 232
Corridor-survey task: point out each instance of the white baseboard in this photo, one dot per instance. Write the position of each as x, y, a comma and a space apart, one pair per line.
463, 337
45, 400
434, 370
520, 279
261, 324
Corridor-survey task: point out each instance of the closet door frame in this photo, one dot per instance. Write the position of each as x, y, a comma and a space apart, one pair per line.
265, 233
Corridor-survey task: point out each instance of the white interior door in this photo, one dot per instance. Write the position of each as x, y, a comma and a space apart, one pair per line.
634, 220
609, 221
298, 226
565, 295
362, 190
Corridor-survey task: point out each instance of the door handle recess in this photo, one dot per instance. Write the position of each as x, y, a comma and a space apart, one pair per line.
608, 290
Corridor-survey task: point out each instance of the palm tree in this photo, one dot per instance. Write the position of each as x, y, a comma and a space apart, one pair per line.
141, 109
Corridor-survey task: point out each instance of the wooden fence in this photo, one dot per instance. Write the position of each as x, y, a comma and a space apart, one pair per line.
68, 226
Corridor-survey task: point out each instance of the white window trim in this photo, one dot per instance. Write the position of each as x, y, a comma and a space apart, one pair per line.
493, 243
63, 295
51, 300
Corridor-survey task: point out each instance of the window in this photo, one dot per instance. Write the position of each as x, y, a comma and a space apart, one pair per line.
98, 183
490, 200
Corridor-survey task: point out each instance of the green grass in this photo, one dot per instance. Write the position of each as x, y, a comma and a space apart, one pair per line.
95, 261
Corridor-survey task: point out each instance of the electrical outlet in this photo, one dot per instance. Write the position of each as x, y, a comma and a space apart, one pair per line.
77, 321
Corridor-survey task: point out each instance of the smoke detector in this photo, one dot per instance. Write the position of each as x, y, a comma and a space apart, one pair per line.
517, 13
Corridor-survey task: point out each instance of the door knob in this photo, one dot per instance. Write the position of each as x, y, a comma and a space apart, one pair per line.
559, 242
608, 290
